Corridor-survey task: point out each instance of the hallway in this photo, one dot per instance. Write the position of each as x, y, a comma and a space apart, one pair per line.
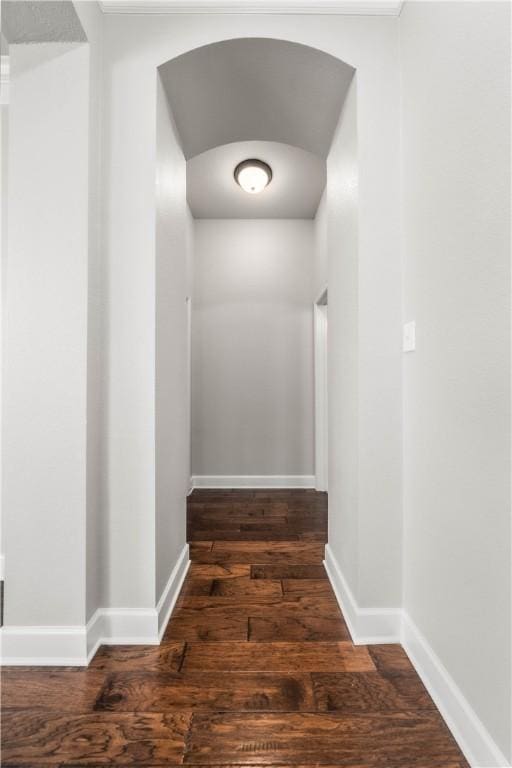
260, 245
256, 666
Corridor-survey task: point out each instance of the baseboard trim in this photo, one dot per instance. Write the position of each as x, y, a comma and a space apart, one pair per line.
466, 727
371, 626
171, 591
367, 626
253, 481
121, 626
75, 646
44, 646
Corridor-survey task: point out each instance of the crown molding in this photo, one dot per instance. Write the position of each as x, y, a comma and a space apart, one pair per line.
298, 7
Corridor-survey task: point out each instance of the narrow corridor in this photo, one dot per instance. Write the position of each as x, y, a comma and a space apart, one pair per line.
256, 666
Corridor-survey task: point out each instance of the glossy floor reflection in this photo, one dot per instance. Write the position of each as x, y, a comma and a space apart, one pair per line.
256, 667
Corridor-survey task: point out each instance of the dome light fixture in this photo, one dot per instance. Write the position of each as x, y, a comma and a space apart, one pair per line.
253, 175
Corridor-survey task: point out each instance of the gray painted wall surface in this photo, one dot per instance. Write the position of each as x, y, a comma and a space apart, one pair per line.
253, 348
132, 52
45, 361
97, 583
172, 378
337, 238
456, 206
365, 446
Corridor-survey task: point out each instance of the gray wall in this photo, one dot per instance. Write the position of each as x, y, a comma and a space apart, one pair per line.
172, 379
456, 203
132, 52
253, 348
337, 219
364, 379
321, 269
91, 19
45, 359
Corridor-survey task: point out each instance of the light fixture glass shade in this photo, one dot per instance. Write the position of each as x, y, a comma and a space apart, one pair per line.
253, 175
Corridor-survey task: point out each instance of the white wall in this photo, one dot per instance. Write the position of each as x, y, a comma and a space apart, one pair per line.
91, 19
135, 46
172, 396
129, 242
4, 145
340, 223
59, 428
363, 277
45, 363
456, 205
253, 348
321, 263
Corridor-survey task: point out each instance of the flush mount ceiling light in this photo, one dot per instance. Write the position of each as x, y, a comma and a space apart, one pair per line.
253, 175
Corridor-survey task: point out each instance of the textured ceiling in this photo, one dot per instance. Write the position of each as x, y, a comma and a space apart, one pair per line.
51, 21
294, 192
256, 89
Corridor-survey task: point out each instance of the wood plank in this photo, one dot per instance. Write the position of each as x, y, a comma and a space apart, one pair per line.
206, 691
30, 737
196, 587
411, 689
196, 625
301, 628
390, 658
218, 520
277, 657
197, 548
289, 523
64, 690
266, 739
305, 587
426, 764
284, 535
286, 571
242, 513
352, 692
218, 570
262, 606
318, 536
125, 658
246, 587
284, 494
257, 552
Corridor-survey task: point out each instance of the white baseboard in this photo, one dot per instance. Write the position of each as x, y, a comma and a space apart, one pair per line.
253, 481
171, 591
76, 645
371, 626
121, 626
44, 646
368, 626
468, 730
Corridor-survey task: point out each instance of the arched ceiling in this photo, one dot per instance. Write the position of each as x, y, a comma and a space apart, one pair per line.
294, 193
256, 89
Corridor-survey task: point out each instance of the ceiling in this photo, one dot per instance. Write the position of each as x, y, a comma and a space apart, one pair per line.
41, 22
250, 89
294, 192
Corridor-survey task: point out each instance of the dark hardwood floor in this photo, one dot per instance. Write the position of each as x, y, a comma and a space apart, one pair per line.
256, 667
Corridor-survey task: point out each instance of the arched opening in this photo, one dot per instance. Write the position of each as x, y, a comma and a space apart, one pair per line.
249, 267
